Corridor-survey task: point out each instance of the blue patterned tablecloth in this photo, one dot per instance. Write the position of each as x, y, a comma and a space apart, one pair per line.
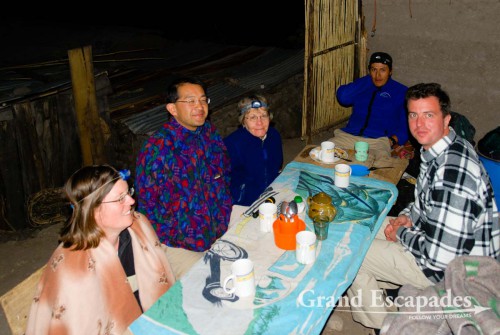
290, 297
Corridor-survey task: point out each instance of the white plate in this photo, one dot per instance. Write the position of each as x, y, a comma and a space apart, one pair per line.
339, 153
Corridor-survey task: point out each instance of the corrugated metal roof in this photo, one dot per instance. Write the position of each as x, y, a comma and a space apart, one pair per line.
267, 69
139, 77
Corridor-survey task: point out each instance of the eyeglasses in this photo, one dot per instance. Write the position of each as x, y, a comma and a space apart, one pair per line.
254, 104
122, 197
254, 118
193, 102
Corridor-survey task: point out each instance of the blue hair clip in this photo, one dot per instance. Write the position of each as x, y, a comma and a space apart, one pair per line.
124, 174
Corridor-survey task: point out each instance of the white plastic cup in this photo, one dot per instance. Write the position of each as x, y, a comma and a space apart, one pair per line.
342, 175
305, 250
267, 216
327, 153
243, 278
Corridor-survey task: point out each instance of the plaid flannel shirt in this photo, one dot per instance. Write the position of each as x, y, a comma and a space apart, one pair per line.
454, 212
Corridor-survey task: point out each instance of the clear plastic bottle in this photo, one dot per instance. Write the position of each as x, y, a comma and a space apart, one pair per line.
301, 206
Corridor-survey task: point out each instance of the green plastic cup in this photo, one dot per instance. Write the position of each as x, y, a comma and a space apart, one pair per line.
361, 151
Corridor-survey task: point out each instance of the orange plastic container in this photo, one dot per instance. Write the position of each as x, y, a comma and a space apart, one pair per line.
284, 232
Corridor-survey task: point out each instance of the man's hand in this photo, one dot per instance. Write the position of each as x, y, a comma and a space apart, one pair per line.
392, 228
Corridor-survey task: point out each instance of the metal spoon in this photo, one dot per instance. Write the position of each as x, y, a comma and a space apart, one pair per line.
292, 209
284, 209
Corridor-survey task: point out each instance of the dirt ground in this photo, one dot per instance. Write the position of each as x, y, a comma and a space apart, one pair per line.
23, 253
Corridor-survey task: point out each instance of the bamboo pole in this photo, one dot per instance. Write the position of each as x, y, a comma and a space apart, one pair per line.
308, 103
332, 40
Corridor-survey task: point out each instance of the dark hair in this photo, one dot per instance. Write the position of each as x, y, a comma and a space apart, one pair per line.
172, 94
426, 90
85, 190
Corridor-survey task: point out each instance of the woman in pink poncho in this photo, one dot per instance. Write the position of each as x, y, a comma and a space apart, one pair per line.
109, 266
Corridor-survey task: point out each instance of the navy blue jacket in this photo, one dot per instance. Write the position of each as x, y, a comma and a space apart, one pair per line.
255, 163
388, 116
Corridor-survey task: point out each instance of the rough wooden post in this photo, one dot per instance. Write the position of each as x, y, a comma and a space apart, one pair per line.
87, 114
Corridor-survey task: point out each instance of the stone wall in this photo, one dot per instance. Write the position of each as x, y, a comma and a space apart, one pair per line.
455, 43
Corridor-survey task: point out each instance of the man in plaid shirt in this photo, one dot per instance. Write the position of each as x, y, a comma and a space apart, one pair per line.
454, 212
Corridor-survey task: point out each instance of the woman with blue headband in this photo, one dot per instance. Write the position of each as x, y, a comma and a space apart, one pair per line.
109, 267
255, 150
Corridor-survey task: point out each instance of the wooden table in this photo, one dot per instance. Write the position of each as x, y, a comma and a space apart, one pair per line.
391, 175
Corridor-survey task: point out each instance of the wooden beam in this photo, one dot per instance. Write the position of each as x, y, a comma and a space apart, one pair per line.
87, 114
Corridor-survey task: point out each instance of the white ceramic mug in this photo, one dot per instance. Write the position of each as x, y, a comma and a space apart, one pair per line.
342, 175
243, 278
305, 250
327, 153
267, 216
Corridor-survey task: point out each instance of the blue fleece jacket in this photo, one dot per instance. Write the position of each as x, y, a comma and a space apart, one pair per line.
255, 163
388, 116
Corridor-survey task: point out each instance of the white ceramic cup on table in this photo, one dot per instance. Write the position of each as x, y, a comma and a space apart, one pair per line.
267, 216
327, 153
342, 175
305, 250
243, 278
